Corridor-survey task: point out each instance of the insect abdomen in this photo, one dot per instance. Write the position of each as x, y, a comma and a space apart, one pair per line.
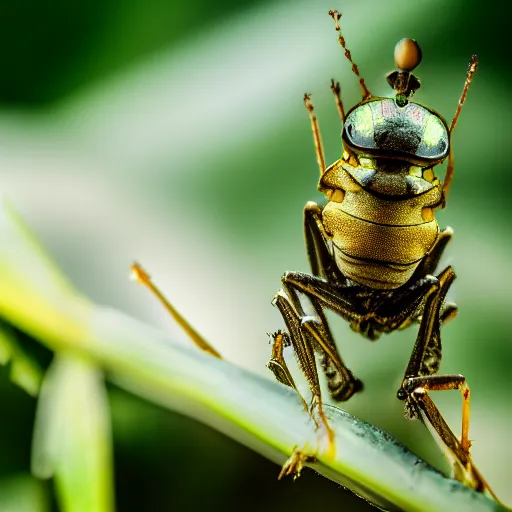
377, 254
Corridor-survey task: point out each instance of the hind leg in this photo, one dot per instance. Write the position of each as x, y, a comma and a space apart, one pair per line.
421, 377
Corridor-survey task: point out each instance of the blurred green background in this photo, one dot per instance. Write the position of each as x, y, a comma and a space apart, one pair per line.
175, 134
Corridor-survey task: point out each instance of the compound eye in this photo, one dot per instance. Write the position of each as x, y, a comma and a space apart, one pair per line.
407, 54
358, 127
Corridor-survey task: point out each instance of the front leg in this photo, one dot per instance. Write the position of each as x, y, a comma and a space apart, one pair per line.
278, 366
303, 346
340, 380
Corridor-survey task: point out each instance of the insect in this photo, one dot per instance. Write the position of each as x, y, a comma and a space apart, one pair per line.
373, 249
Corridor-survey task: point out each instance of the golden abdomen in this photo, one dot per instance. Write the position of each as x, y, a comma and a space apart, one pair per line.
376, 254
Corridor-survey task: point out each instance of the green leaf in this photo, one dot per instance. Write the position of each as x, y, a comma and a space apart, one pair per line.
25, 371
259, 413
72, 439
23, 493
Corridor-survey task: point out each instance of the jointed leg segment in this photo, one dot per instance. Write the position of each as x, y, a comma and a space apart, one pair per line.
304, 350
440, 383
278, 365
421, 377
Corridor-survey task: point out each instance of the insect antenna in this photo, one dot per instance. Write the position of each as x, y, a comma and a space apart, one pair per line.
320, 158
473, 64
336, 90
141, 276
336, 16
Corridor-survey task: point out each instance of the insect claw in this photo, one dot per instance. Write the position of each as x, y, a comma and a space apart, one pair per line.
296, 462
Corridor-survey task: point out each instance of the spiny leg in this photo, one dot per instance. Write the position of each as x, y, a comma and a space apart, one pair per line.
428, 266
426, 354
442, 383
304, 350
341, 381
463, 469
306, 358
299, 457
142, 277
424, 364
419, 378
278, 365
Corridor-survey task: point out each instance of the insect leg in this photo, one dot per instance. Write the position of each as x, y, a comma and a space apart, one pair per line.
278, 365
441, 383
463, 468
392, 311
426, 355
428, 266
320, 258
142, 277
341, 381
430, 262
419, 378
303, 346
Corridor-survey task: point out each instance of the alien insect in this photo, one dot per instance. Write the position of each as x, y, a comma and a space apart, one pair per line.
374, 248
373, 251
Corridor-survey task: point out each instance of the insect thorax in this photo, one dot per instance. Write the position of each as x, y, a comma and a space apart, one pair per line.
380, 220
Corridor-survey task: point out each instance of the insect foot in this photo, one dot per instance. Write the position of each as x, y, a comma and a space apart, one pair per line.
296, 462
328, 434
